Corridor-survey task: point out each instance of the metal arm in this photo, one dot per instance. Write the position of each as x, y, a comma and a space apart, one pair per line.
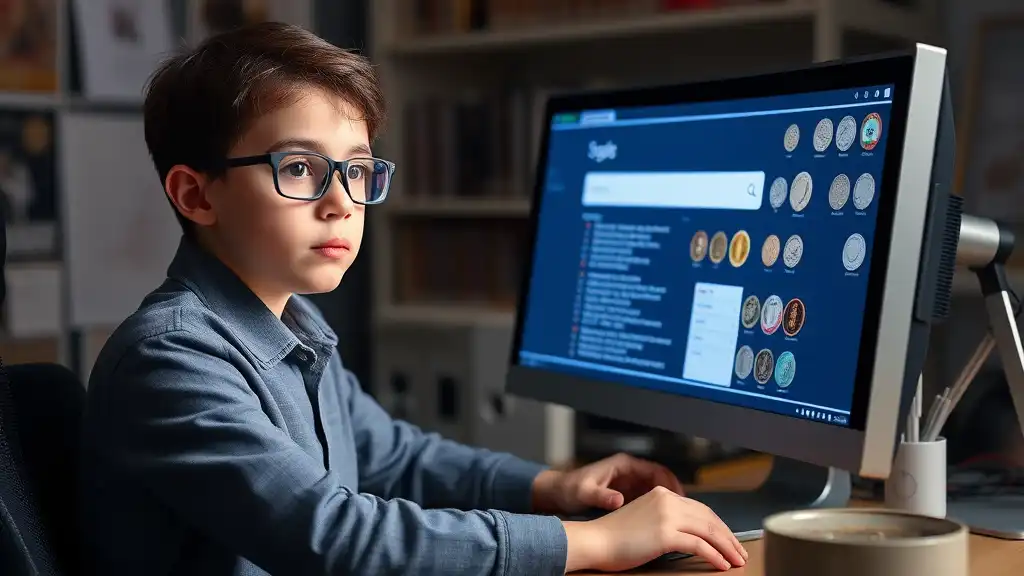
984, 247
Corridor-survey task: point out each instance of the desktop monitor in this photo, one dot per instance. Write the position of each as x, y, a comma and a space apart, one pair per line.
750, 260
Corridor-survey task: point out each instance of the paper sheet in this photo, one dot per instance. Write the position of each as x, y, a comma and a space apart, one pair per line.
33, 304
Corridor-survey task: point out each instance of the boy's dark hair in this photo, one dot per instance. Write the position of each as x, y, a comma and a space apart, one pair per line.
199, 103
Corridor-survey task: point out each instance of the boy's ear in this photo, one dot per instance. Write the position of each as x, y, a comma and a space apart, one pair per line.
187, 190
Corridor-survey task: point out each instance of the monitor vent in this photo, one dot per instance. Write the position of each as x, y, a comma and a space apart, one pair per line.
947, 261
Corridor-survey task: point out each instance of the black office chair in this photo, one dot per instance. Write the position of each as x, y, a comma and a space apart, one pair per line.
41, 409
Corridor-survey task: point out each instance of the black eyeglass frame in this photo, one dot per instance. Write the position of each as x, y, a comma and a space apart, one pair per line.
273, 159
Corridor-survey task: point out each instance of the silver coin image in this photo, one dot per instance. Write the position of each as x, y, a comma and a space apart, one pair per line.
854, 252
751, 311
839, 192
823, 134
846, 133
800, 191
863, 191
793, 251
792, 137
777, 193
764, 363
771, 314
744, 362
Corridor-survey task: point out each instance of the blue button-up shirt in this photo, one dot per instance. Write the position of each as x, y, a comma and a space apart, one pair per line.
220, 439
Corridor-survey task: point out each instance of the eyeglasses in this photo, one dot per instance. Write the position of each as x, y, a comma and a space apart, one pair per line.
307, 175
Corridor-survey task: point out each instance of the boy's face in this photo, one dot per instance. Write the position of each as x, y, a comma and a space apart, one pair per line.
276, 244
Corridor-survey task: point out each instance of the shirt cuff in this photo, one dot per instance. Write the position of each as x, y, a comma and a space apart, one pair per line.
535, 545
512, 485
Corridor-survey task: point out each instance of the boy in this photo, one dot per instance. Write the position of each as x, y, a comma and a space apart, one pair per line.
224, 435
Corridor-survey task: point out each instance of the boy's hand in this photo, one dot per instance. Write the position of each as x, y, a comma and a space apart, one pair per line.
608, 484
657, 523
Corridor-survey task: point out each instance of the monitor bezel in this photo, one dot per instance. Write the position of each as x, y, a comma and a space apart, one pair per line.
886, 330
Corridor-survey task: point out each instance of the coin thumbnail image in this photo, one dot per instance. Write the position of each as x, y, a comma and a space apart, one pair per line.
751, 311
777, 193
854, 252
719, 243
771, 314
699, 246
793, 251
785, 369
770, 250
739, 248
744, 362
870, 131
793, 317
764, 363
792, 137
839, 192
823, 134
846, 133
863, 191
800, 191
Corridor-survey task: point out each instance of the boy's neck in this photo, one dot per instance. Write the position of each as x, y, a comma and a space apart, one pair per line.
276, 302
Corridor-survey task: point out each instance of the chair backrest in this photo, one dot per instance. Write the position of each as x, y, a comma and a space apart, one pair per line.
41, 408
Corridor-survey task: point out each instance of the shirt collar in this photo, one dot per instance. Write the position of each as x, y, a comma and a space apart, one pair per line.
266, 337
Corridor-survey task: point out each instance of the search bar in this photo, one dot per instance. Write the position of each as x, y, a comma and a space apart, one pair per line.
707, 190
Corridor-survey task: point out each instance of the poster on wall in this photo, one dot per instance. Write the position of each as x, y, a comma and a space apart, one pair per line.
209, 17
28, 46
28, 183
120, 232
120, 42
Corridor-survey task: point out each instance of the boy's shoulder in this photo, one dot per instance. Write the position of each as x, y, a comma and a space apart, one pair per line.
179, 319
171, 314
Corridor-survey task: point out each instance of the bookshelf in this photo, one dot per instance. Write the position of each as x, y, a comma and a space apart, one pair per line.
467, 81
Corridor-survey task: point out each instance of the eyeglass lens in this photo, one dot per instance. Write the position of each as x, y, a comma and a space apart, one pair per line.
304, 176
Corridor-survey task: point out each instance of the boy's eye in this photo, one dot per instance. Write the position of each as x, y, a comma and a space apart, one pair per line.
297, 170
354, 172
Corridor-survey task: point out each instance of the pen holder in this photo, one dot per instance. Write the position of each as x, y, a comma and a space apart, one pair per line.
917, 482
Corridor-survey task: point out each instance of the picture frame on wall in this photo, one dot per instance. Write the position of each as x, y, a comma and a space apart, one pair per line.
28, 46
990, 155
28, 182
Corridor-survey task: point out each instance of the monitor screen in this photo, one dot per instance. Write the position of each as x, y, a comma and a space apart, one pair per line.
720, 250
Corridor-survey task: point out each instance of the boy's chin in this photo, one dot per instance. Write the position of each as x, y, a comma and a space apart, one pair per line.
321, 282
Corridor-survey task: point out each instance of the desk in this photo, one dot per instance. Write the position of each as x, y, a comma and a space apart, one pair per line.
989, 556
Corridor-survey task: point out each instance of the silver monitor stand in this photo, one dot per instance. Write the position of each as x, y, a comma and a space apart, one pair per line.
791, 485
984, 247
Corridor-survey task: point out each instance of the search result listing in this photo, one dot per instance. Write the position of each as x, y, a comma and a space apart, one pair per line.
616, 314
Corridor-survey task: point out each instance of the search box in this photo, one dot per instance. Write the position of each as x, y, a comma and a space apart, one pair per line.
708, 190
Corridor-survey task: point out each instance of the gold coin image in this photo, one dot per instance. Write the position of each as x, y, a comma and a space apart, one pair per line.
751, 311
719, 243
739, 248
770, 250
794, 316
699, 246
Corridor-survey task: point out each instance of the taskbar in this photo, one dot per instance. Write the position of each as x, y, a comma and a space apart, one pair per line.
699, 390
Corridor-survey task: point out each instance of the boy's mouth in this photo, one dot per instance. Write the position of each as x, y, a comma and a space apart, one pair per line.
335, 248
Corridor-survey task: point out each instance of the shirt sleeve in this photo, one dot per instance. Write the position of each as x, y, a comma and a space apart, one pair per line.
186, 425
399, 460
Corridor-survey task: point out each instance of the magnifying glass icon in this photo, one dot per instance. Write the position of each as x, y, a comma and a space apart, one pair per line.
750, 189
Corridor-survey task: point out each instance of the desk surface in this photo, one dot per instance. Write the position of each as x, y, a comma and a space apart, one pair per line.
988, 556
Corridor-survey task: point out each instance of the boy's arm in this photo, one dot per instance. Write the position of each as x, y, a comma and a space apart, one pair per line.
182, 422
398, 460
